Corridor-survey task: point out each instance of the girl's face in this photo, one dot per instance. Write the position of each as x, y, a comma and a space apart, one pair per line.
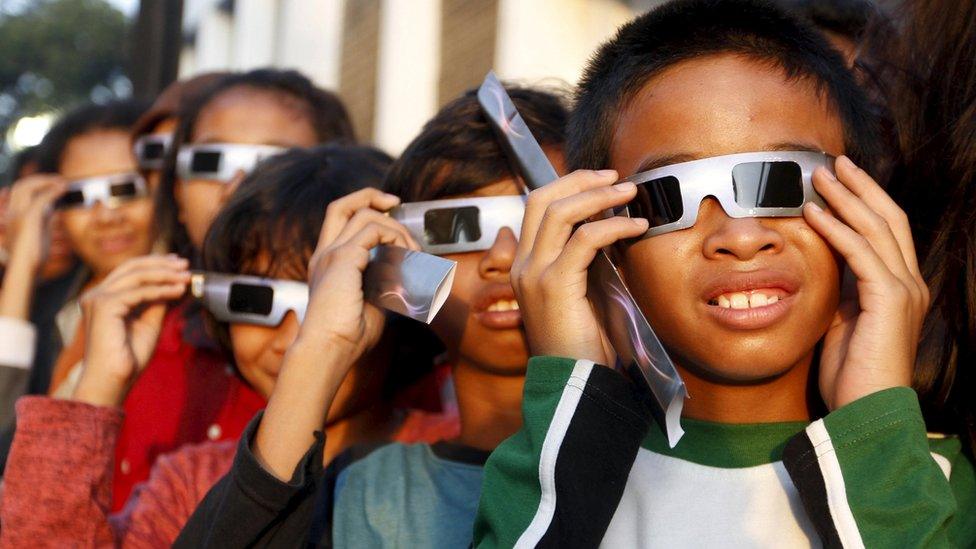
104, 236
481, 321
260, 350
239, 115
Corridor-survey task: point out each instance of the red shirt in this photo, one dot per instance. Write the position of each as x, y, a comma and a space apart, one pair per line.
188, 393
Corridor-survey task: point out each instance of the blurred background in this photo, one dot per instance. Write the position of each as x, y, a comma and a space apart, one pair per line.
394, 62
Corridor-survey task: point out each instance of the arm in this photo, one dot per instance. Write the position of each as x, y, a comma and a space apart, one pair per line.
867, 477
561, 476
269, 495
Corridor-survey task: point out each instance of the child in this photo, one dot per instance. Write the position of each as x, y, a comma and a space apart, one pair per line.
173, 403
801, 427
64, 449
397, 495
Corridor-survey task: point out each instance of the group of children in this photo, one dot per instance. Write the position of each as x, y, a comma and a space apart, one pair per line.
183, 304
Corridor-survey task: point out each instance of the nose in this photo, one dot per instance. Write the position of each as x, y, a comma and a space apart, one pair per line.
741, 239
285, 333
497, 261
107, 215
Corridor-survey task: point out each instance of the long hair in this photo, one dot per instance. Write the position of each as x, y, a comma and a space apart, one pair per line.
929, 83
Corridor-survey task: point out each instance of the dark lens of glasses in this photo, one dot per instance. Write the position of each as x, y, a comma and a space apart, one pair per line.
152, 151
70, 199
658, 201
205, 161
250, 299
768, 185
124, 189
452, 225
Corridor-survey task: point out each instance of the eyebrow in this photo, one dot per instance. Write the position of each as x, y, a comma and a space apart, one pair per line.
218, 141
655, 162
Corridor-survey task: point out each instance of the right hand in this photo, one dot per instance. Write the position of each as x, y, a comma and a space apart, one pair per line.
26, 216
550, 270
123, 317
338, 317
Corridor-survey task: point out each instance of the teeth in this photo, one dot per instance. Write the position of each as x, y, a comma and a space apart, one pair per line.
740, 300
757, 300
503, 306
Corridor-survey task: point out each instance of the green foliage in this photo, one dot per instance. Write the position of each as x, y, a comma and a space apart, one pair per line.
53, 53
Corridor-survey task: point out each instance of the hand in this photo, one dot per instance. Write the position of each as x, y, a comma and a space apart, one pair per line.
872, 341
25, 224
550, 269
338, 317
26, 216
123, 317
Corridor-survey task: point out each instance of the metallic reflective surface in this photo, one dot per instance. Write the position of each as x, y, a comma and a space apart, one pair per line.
214, 290
493, 213
413, 284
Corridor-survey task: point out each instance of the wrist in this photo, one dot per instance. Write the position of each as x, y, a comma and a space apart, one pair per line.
100, 390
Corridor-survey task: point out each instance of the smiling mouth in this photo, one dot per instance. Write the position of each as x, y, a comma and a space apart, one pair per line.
748, 299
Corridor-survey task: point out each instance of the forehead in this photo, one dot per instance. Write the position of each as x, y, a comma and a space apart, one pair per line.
721, 104
98, 152
254, 116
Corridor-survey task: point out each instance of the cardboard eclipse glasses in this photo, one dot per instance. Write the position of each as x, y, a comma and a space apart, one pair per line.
151, 149
220, 161
760, 184
249, 299
110, 190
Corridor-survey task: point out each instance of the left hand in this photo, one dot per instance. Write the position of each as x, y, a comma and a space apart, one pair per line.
871, 344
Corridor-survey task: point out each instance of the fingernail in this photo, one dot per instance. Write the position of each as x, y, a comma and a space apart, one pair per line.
607, 173
830, 175
816, 208
624, 187
641, 222
843, 159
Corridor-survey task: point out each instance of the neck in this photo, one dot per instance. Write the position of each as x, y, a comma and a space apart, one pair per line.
778, 399
373, 424
490, 405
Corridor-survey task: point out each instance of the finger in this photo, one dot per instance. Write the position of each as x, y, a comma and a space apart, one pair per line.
170, 261
133, 297
42, 202
865, 221
867, 189
140, 277
539, 200
592, 237
861, 257
375, 234
25, 189
366, 216
564, 214
340, 211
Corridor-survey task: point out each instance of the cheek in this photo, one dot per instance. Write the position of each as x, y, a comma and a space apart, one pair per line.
75, 224
199, 203
249, 343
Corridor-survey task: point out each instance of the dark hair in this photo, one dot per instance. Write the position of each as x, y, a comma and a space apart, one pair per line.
271, 225
457, 151
688, 29
847, 18
115, 115
929, 82
324, 110
276, 214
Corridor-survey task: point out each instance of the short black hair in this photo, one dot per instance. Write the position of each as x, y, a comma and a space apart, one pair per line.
688, 29
847, 18
271, 225
324, 110
120, 115
457, 151
276, 214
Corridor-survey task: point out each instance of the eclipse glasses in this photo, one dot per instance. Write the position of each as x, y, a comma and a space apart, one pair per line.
249, 299
151, 149
110, 190
220, 161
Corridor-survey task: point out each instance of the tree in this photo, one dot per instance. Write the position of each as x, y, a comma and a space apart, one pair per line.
57, 53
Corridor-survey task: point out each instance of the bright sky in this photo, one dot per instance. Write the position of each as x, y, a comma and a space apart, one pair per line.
128, 7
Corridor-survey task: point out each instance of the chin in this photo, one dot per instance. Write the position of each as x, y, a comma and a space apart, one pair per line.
736, 366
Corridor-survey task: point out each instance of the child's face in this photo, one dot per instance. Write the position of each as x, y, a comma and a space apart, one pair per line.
238, 115
260, 350
713, 106
481, 316
103, 236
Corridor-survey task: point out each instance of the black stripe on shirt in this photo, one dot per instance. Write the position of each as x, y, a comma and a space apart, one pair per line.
800, 460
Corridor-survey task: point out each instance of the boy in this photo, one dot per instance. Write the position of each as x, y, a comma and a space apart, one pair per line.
750, 309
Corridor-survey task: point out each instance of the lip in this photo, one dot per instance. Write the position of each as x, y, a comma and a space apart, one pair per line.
757, 318
115, 244
496, 320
